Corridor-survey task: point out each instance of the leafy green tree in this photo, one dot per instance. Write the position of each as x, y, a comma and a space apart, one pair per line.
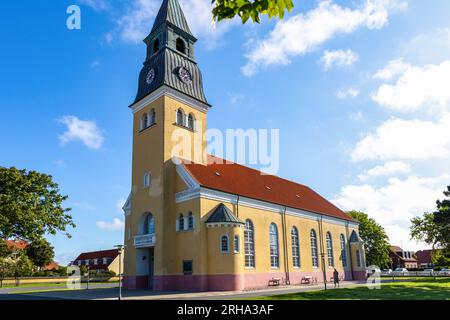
6, 270
40, 252
246, 9
31, 205
4, 250
376, 242
434, 228
23, 267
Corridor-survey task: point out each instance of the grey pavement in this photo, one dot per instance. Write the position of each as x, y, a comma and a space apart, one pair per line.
112, 293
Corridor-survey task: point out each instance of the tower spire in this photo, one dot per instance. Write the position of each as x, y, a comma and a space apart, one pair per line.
171, 13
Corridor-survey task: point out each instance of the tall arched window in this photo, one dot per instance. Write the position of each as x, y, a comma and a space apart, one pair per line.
358, 259
343, 251
149, 224
314, 254
181, 223
224, 244
144, 121
330, 250
190, 123
274, 253
249, 244
295, 248
180, 117
181, 46
156, 45
190, 221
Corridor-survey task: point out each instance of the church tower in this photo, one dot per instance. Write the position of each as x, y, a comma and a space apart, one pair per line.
169, 119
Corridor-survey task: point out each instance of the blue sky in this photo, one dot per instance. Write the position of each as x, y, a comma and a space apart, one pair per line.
358, 90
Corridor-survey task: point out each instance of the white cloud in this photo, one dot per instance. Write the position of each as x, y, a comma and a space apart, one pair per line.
347, 93
356, 116
388, 169
396, 203
416, 87
116, 225
305, 32
79, 130
406, 139
136, 24
339, 58
97, 5
393, 68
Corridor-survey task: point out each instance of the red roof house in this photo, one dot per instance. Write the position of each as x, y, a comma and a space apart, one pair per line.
99, 260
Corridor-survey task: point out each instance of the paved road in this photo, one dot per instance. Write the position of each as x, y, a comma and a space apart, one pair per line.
112, 294
54, 288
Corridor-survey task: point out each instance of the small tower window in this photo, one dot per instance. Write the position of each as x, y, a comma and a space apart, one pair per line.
190, 123
144, 121
224, 246
181, 46
152, 117
237, 244
180, 117
155, 45
190, 221
181, 223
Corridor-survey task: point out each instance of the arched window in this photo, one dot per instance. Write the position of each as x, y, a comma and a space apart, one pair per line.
190, 221
156, 45
180, 117
237, 244
190, 123
274, 253
147, 180
149, 224
249, 244
144, 121
181, 46
224, 246
152, 117
181, 223
295, 248
314, 254
330, 250
358, 259
343, 251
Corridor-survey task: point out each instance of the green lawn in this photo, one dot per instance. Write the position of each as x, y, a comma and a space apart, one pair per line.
428, 289
50, 284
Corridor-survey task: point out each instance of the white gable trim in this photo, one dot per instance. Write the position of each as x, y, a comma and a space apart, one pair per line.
186, 177
172, 93
127, 206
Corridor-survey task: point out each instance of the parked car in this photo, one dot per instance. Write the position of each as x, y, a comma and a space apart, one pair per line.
427, 272
386, 271
400, 272
444, 272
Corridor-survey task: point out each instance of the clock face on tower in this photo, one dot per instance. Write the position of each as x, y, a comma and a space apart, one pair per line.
184, 75
150, 76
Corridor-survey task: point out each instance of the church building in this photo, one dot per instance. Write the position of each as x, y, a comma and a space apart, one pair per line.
198, 223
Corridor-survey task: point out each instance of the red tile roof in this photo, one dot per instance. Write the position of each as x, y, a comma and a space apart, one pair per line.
237, 179
111, 254
17, 244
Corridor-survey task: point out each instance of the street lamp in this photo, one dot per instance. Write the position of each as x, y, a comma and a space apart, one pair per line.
120, 248
324, 271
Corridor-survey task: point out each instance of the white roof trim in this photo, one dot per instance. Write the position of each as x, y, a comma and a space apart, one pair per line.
186, 177
127, 206
170, 92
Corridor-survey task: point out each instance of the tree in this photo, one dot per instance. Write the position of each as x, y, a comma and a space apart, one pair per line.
376, 242
245, 9
31, 205
6, 270
4, 250
40, 252
434, 228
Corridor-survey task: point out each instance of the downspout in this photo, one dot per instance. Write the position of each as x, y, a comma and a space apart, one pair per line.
349, 251
285, 250
322, 254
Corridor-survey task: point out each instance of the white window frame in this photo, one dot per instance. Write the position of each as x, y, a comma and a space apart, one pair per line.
330, 251
249, 245
227, 243
295, 247
314, 250
147, 180
274, 246
343, 251
237, 244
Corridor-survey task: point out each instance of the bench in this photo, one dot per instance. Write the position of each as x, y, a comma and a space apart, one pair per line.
274, 282
307, 280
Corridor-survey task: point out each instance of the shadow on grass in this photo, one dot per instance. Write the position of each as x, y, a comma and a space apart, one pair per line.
418, 290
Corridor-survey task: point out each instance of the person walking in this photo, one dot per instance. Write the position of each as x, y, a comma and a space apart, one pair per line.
336, 278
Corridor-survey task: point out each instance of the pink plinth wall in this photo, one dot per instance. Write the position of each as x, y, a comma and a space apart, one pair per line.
228, 282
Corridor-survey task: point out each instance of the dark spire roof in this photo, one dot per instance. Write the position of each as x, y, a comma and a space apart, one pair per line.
354, 237
171, 12
222, 214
